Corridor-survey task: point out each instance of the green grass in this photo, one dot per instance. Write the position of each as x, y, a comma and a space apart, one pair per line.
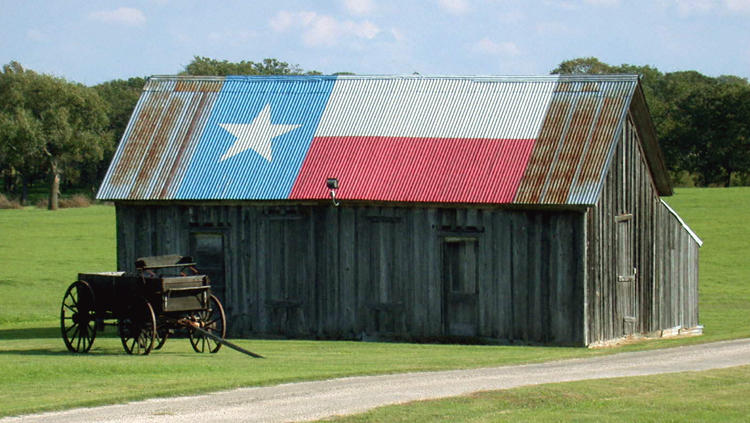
41, 253
720, 217
716, 395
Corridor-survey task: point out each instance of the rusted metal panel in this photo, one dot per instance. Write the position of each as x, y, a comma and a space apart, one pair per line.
581, 128
203, 86
553, 129
160, 138
593, 163
569, 151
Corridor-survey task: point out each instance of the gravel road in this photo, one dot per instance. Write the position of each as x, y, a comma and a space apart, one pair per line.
314, 400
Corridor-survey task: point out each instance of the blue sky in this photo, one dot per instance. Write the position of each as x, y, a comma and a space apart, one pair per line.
96, 41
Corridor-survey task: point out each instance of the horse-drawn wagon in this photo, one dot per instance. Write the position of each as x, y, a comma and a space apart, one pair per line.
165, 294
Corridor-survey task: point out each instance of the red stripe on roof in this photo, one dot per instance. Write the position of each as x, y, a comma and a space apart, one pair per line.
414, 169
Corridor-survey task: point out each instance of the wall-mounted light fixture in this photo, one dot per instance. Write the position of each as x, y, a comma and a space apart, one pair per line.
333, 185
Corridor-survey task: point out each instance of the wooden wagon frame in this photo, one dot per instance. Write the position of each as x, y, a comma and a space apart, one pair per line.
165, 294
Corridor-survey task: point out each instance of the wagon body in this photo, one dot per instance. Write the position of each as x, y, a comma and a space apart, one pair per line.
115, 292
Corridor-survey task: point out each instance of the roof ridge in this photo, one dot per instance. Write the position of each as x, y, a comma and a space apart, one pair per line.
491, 78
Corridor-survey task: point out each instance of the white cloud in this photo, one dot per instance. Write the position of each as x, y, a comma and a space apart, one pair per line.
397, 34
603, 2
36, 35
561, 4
320, 30
552, 28
122, 15
456, 7
698, 7
738, 5
229, 36
359, 7
511, 16
504, 48
689, 7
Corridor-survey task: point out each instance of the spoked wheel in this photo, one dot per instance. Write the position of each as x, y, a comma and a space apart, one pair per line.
162, 333
213, 321
138, 331
77, 317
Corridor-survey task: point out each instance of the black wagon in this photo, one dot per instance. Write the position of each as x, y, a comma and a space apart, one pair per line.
166, 294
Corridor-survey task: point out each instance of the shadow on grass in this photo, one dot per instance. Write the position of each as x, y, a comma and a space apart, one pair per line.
62, 352
30, 333
37, 351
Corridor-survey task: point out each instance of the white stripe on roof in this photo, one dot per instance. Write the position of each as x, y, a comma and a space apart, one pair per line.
432, 108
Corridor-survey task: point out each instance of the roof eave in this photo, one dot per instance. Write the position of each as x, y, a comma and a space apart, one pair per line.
652, 152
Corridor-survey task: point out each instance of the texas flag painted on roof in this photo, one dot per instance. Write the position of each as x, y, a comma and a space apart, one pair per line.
404, 139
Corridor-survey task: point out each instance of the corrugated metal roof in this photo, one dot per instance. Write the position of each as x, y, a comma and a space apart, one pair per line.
576, 141
536, 140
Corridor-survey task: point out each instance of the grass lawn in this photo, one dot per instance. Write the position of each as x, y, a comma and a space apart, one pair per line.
41, 253
715, 395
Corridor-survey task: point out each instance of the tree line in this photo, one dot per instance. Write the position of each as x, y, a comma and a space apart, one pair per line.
61, 133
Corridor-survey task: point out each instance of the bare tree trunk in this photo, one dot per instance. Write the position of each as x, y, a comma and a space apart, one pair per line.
54, 189
24, 190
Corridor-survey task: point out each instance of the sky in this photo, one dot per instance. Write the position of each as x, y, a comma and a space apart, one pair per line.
96, 41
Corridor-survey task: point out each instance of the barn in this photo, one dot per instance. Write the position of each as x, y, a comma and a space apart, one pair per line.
505, 209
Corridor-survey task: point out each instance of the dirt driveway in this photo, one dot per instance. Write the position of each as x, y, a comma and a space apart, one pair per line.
314, 400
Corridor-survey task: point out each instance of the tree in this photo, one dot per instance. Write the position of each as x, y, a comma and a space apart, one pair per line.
716, 132
206, 66
50, 123
583, 65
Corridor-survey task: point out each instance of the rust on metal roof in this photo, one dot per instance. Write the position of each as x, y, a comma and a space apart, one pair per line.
190, 86
553, 128
579, 132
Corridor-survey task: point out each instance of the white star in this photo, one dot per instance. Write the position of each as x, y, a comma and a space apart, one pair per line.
256, 135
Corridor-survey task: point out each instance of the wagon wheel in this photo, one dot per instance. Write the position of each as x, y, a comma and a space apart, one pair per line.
211, 320
77, 317
138, 331
162, 333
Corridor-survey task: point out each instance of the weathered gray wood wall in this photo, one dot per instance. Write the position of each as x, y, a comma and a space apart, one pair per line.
361, 271
642, 264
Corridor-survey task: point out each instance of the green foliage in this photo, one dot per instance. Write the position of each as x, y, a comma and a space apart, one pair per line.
206, 66
702, 123
50, 125
583, 65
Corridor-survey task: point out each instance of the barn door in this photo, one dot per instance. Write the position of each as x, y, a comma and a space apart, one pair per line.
625, 295
207, 249
460, 287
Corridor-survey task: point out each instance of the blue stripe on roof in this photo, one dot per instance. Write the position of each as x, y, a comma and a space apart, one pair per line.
248, 174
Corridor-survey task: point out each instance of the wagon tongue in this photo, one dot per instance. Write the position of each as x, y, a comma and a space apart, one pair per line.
196, 327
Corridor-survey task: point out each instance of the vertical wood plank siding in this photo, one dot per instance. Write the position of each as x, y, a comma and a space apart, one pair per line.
664, 255
365, 272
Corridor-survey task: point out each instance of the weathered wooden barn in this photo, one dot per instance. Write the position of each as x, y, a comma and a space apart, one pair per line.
521, 209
